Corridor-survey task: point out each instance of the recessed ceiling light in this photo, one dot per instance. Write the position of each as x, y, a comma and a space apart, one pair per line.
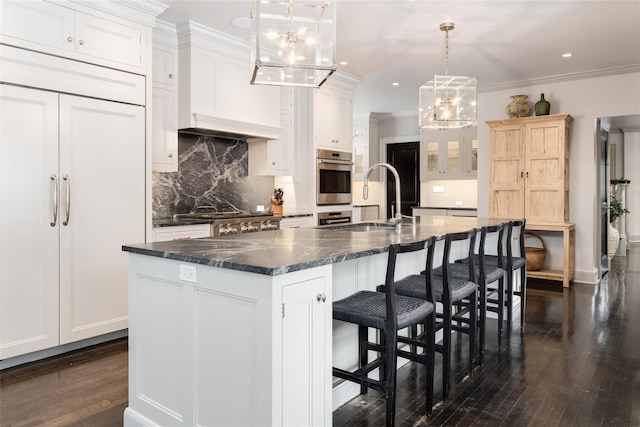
343, 62
395, 84
567, 55
241, 22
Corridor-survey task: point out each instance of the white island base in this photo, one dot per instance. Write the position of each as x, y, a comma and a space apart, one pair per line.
219, 351
224, 347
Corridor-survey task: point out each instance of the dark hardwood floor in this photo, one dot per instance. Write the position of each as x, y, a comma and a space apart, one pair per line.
577, 363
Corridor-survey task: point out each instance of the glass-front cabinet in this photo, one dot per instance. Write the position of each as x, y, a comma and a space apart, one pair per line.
449, 153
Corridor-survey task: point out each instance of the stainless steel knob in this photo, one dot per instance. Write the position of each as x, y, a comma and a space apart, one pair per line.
321, 297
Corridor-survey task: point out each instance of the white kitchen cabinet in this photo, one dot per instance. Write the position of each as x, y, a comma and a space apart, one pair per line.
366, 147
306, 355
275, 156
29, 245
59, 187
181, 232
296, 222
165, 99
59, 30
280, 369
333, 119
448, 154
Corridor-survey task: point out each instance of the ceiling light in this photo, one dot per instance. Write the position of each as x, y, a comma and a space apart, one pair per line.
567, 55
395, 84
292, 42
447, 101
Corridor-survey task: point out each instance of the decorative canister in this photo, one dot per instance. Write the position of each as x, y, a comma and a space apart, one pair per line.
518, 107
542, 107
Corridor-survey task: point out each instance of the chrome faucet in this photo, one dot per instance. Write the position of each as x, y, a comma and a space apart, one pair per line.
365, 190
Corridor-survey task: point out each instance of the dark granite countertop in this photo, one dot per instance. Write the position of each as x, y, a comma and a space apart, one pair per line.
283, 251
169, 222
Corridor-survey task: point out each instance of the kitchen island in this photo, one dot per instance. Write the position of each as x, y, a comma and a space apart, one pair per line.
238, 330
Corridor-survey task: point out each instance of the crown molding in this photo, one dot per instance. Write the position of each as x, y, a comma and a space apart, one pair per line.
563, 78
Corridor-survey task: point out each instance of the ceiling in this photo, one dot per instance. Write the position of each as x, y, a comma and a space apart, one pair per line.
502, 43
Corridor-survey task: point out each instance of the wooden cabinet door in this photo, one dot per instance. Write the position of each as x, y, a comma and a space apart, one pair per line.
102, 156
506, 174
545, 197
29, 230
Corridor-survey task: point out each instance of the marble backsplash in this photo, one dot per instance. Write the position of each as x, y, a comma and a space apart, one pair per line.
211, 172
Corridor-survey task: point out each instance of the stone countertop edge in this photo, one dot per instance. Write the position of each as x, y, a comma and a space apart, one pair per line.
296, 249
450, 209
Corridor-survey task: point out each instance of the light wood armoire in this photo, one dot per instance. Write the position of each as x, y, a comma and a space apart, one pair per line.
529, 168
529, 178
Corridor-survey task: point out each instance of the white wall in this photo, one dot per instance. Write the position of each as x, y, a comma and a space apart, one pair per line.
632, 172
585, 99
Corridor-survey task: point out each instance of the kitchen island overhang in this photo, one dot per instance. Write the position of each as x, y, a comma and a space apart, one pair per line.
248, 337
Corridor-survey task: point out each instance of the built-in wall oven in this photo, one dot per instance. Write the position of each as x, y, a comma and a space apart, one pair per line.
334, 177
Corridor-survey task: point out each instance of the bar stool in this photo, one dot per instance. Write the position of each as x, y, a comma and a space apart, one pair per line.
448, 291
486, 274
511, 264
387, 312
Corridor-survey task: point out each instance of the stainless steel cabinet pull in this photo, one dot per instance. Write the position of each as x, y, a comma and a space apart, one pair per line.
69, 39
54, 178
65, 177
321, 297
170, 76
81, 42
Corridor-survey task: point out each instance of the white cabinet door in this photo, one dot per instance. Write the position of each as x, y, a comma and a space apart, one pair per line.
164, 147
38, 25
28, 241
58, 30
109, 43
470, 151
102, 156
333, 119
306, 354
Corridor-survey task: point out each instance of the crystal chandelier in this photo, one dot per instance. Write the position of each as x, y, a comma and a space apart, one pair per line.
447, 101
292, 42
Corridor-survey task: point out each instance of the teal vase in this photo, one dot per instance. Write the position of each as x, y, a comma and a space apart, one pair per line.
542, 107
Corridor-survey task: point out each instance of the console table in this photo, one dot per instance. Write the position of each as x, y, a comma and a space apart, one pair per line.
565, 275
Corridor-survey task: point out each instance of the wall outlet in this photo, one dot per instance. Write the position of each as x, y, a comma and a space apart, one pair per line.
458, 203
438, 188
188, 273
260, 208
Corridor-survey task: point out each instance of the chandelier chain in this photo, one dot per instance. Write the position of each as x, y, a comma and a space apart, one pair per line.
446, 53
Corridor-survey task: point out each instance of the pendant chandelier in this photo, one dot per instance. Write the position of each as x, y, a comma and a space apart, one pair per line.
292, 42
447, 101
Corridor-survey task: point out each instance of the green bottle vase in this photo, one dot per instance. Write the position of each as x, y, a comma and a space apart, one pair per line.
542, 107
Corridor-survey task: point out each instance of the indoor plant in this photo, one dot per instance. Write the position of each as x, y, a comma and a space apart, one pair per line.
615, 211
